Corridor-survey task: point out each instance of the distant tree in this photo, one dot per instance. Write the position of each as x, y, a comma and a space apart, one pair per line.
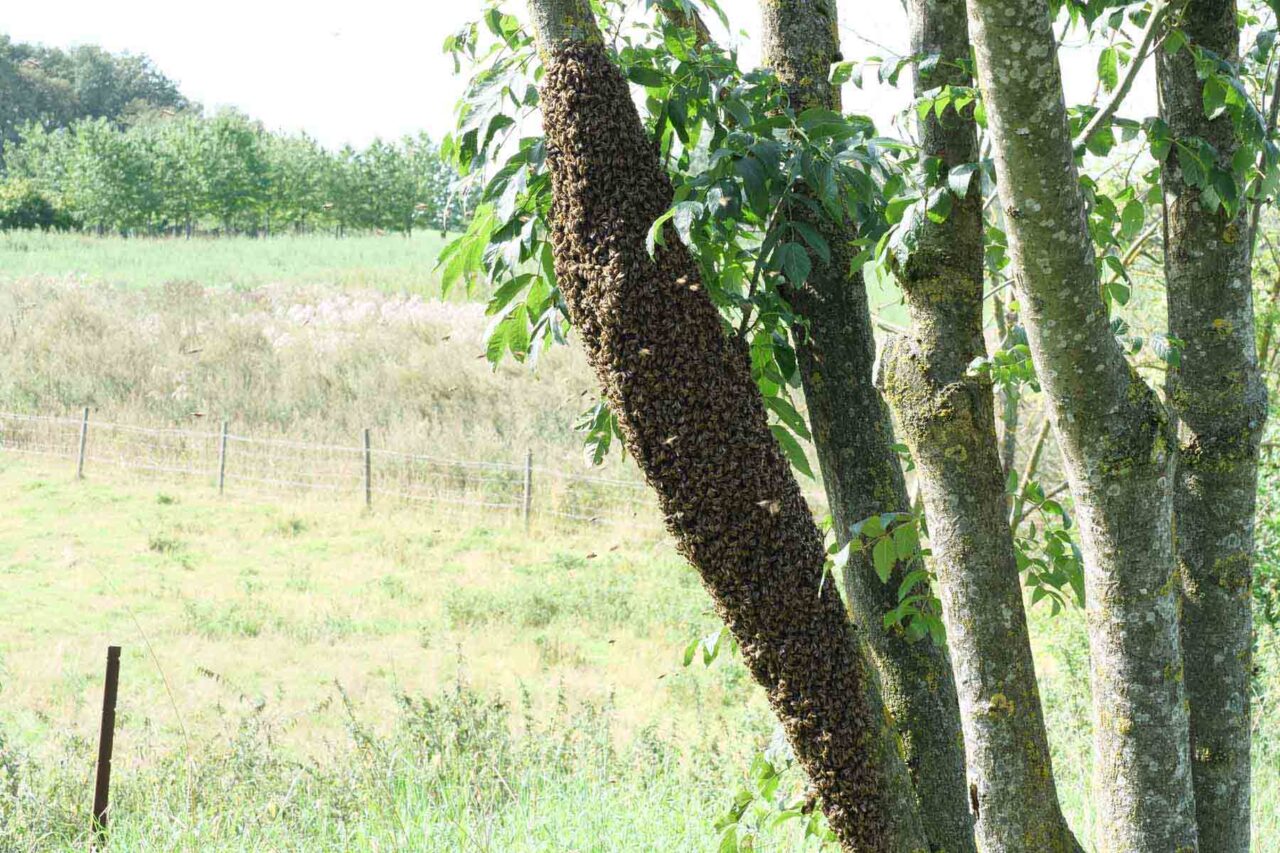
23, 206
233, 170
54, 88
296, 172
176, 173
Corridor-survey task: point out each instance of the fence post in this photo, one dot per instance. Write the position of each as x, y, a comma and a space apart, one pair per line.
368, 471
106, 739
84, 441
222, 460
528, 486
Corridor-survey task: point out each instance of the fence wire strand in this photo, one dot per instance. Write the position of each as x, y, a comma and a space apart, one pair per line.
277, 466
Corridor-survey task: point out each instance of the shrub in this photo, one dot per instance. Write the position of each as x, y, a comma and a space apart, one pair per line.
24, 207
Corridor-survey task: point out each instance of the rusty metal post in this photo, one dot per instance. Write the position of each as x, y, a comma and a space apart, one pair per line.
102, 787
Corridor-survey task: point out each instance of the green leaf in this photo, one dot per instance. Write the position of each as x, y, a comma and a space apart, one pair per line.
691, 650
1131, 219
655, 237
792, 449
905, 541
869, 528
844, 72
815, 240
650, 77
788, 415
1109, 68
795, 263
1225, 186
939, 207
497, 343
1215, 97
960, 178
1101, 142
883, 557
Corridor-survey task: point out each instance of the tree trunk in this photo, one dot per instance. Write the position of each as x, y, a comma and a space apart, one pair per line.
693, 418
948, 420
1116, 440
1220, 401
854, 438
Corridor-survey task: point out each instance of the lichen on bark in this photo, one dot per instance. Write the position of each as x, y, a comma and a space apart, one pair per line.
948, 420
1114, 433
1220, 401
693, 418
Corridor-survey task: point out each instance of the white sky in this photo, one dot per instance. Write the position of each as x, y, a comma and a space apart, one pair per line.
350, 71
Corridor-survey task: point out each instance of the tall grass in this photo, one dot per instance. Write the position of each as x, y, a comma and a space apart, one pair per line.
450, 776
306, 362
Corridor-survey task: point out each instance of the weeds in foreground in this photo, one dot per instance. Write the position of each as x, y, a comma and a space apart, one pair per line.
452, 773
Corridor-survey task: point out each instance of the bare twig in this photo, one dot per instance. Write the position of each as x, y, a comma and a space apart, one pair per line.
1104, 115
1029, 471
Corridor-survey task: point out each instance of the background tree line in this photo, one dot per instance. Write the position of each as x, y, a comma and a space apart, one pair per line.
97, 141
175, 174
55, 88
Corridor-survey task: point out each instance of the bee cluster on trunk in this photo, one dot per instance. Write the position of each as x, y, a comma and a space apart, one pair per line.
691, 414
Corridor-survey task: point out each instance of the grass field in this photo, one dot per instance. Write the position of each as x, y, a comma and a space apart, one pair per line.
303, 675
374, 262
298, 676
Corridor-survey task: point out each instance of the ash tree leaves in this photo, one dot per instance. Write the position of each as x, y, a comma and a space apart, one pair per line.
743, 164
892, 539
599, 426
773, 794
1231, 91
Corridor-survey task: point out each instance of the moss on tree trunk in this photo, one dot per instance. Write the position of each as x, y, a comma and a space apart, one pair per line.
854, 441
1220, 402
1116, 440
948, 420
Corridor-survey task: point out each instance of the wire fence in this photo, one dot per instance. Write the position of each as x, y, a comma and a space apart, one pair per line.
234, 463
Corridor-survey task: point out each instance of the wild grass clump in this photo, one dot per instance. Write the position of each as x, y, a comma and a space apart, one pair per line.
451, 774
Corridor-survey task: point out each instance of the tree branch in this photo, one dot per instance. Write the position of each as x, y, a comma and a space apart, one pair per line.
1158, 13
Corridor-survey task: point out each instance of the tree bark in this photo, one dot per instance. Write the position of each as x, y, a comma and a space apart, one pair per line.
948, 420
1220, 401
854, 441
1117, 443
693, 418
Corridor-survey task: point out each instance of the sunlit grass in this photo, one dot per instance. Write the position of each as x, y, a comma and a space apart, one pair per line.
287, 631
381, 262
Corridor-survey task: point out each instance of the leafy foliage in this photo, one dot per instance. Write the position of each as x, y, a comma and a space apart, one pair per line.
54, 88
744, 166
182, 172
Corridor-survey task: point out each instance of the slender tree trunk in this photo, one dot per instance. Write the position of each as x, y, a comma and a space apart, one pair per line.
948, 420
854, 441
1117, 444
1220, 401
693, 418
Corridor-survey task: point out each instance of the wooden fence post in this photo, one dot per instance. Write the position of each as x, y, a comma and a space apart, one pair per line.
106, 739
528, 486
222, 460
368, 471
84, 441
